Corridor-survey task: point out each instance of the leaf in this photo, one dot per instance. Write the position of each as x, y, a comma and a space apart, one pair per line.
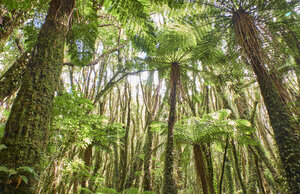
224, 114
2, 146
24, 178
4, 169
26, 169
243, 122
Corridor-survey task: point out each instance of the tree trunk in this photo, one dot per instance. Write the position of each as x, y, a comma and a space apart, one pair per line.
26, 131
126, 143
237, 168
285, 128
228, 173
10, 81
223, 166
169, 182
87, 158
286, 135
201, 171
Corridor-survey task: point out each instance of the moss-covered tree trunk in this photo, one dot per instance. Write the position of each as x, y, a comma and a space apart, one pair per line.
26, 131
10, 81
169, 182
286, 130
124, 156
152, 105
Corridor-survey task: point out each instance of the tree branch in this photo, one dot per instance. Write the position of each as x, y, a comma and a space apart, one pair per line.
96, 61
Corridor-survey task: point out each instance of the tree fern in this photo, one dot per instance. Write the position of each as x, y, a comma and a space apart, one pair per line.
213, 127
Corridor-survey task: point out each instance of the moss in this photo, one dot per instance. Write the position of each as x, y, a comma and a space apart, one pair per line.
26, 131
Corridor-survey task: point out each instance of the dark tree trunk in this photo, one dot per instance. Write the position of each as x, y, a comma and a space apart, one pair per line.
147, 158
223, 166
286, 130
201, 171
10, 81
169, 182
87, 158
237, 167
26, 131
228, 173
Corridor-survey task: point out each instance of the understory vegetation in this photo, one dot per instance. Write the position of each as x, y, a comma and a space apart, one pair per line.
149, 96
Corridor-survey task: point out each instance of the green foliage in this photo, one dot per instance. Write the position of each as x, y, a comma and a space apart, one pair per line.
106, 191
74, 123
31, 32
19, 172
135, 18
83, 35
158, 126
132, 191
2, 130
2, 146
22, 4
212, 128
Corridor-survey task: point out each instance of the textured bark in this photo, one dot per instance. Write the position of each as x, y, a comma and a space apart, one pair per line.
151, 102
87, 158
10, 20
10, 81
210, 171
223, 166
237, 168
228, 173
286, 130
201, 171
126, 143
169, 182
116, 165
26, 131
147, 151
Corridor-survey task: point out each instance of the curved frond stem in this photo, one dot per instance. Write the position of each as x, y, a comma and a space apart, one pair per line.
224, 4
234, 7
251, 4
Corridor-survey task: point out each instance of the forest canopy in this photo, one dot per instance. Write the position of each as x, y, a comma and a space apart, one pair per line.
149, 96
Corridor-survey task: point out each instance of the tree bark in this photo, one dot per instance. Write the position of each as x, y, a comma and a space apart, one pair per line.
10, 81
26, 131
285, 128
237, 168
169, 182
201, 171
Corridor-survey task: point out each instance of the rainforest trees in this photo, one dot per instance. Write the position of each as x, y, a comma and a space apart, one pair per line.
26, 131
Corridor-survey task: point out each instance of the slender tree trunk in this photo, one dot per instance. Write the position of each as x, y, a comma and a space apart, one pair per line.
87, 158
169, 182
286, 131
237, 167
116, 166
126, 143
26, 131
223, 166
147, 158
228, 173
